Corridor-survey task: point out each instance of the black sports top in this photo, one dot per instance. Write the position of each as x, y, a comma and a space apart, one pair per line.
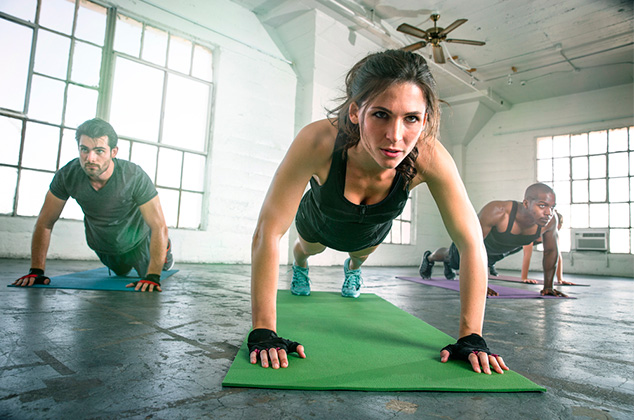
504, 243
327, 217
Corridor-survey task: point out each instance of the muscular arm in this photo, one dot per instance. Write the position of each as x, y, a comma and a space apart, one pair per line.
551, 254
153, 216
51, 210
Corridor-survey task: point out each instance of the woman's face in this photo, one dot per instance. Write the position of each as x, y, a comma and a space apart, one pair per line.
391, 124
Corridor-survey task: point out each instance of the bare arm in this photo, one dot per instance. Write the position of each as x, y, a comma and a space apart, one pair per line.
463, 226
310, 152
526, 263
551, 254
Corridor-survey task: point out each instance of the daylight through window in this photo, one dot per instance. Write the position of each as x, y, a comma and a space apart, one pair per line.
73, 60
593, 176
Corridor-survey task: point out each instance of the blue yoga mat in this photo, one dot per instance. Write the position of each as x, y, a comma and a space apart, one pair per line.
97, 279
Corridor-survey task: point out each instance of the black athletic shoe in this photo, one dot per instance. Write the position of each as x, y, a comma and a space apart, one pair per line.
450, 274
493, 271
426, 266
169, 258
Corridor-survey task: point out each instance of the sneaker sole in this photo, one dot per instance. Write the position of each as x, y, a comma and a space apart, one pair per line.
428, 266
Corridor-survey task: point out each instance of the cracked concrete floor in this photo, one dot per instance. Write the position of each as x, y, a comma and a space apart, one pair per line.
116, 355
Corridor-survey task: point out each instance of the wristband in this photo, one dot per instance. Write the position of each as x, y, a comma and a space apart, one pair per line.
465, 346
38, 275
154, 279
262, 339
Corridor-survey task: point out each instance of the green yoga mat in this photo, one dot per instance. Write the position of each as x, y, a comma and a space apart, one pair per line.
364, 344
97, 279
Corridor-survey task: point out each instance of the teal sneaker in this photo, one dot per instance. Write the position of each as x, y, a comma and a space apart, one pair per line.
352, 284
300, 285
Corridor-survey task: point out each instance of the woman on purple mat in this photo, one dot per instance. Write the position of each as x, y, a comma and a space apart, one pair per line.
361, 163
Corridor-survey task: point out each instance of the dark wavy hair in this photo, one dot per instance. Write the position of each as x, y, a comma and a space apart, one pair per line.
96, 128
372, 76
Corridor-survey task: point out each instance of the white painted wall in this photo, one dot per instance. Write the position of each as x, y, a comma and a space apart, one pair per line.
500, 160
269, 85
253, 124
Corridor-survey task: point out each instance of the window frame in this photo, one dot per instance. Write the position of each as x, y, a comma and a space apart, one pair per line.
574, 182
104, 99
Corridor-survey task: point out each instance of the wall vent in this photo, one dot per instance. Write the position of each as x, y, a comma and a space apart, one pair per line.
589, 239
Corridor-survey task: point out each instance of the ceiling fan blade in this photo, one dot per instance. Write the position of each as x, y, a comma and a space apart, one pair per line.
465, 41
412, 30
452, 27
439, 56
415, 46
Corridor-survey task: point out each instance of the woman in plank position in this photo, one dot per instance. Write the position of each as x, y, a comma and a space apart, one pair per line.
361, 163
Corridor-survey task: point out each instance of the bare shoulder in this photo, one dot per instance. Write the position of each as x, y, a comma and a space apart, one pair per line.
312, 148
495, 212
318, 136
432, 163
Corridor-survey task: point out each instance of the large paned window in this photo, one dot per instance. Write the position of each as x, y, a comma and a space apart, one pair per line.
401, 232
592, 174
73, 60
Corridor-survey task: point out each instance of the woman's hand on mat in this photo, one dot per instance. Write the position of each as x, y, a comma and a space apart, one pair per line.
491, 292
266, 345
552, 292
35, 276
531, 281
473, 349
277, 358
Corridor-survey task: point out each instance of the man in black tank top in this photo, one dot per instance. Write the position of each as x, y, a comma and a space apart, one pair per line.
507, 226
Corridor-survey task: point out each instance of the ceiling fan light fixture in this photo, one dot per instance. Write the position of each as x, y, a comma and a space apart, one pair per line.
438, 54
434, 36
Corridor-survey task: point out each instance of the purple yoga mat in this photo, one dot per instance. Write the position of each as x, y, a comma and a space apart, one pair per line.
504, 292
502, 277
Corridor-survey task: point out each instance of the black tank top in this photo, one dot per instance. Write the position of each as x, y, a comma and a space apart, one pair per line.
504, 243
327, 217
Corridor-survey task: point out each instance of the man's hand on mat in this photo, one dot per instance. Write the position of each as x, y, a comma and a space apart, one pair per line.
491, 292
35, 276
552, 292
148, 283
266, 345
531, 281
473, 349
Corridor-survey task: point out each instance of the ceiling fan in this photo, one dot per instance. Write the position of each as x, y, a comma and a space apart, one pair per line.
434, 36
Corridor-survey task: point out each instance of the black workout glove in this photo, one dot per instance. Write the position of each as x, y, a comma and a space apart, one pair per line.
37, 274
154, 279
465, 346
262, 339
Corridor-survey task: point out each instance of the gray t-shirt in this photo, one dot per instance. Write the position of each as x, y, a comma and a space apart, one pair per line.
114, 224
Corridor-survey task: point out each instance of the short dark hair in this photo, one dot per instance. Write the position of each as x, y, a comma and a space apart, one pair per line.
538, 188
96, 128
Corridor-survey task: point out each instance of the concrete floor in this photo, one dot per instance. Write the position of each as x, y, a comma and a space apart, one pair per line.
115, 355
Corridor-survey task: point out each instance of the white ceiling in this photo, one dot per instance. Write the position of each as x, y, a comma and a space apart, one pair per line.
535, 49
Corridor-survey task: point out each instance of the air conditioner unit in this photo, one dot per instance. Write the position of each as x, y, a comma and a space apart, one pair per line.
589, 239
